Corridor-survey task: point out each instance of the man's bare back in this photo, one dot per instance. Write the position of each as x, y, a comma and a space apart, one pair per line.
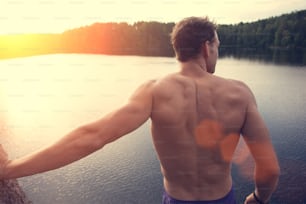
185, 106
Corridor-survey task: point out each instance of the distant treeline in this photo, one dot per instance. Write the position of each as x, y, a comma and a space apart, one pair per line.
141, 38
153, 38
283, 32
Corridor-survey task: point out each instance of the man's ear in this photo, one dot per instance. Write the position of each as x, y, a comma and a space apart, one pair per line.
205, 49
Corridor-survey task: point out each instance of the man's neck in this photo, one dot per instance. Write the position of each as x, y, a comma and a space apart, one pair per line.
194, 68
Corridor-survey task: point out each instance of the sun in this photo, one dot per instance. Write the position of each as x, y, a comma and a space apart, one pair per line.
27, 45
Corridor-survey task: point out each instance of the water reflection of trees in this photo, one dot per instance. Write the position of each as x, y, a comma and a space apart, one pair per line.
276, 56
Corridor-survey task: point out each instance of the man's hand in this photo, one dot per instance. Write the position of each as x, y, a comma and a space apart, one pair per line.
3, 162
250, 199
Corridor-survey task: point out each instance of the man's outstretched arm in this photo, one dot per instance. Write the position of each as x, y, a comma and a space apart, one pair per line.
83, 140
256, 136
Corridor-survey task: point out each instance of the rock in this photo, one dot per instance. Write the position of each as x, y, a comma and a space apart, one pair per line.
11, 193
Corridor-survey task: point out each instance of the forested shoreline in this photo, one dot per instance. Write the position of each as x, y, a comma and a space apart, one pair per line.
285, 32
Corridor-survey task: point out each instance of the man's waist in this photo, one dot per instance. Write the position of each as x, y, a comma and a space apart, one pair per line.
198, 191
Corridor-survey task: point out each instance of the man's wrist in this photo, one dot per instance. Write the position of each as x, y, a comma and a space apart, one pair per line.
259, 200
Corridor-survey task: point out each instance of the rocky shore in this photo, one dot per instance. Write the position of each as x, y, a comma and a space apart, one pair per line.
11, 193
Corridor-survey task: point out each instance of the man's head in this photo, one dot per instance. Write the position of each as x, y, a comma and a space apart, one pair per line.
193, 36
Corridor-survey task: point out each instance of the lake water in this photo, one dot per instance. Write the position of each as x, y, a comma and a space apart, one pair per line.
44, 97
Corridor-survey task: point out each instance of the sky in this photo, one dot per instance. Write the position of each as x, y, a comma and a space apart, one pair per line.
56, 16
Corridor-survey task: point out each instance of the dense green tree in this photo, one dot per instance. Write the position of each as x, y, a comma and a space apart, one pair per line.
285, 32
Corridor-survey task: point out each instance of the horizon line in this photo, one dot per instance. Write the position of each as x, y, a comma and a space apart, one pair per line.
145, 21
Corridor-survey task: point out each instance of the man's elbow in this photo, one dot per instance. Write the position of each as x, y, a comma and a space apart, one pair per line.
271, 171
276, 171
90, 138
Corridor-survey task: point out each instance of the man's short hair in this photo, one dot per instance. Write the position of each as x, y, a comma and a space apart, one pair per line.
189, 34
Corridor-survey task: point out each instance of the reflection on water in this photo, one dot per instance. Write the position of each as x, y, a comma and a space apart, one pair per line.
295, 57
44, 97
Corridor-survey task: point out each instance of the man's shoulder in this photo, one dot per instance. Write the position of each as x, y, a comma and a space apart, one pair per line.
158, 84
169, 80
232, 86
170, 84
233, 83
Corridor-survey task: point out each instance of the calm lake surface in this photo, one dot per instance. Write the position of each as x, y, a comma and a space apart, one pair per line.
44, 97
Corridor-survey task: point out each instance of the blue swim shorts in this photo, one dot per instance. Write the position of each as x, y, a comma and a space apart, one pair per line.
228, 199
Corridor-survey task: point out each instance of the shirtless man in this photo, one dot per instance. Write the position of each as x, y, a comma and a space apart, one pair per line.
197, 119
